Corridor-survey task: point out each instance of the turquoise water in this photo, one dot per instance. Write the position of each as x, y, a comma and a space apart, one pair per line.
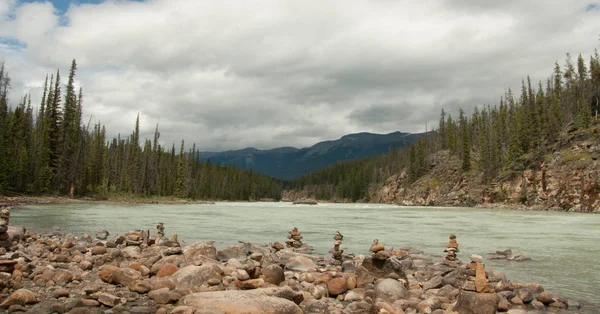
563, 246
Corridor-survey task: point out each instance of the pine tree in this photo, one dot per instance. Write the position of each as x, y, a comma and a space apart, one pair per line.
465, 144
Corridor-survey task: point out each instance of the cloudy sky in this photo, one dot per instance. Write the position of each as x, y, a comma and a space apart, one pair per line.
232, 74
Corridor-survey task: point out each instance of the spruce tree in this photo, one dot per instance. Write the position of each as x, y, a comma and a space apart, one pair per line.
465, 144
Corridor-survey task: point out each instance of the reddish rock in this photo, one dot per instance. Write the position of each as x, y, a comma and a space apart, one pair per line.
125, 276
105, 272
377, 247
480, 279
61, 292
98, 250
21, 296
250, 284
337, 286
167, 270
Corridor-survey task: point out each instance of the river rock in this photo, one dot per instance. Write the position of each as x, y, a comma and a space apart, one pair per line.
382, 268
250, 284
273, 274
196, 251
109, 299
233, 251
167, 270
125, 276
102, 235
300, 263
476, 303
337, 286
391, 290
525, 294
238, 301
156, 283
98, 250
21, 296
191, 278
105, 272
433, 283
164, 296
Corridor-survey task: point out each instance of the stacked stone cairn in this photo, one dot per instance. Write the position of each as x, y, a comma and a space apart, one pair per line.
160, 231
4, 237
337, 242
161, 238
481, 279
6, 265
451, 249
294, 239
378, 251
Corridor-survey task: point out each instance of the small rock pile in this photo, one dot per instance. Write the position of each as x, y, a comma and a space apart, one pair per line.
160, 231
337, 242
378, 251
4, 237
451, 249
294, 239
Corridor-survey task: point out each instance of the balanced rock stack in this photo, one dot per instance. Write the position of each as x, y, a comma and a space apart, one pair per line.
4, 237
378, 251
160, 231
451, 249
337, 242
162, 240
294, 239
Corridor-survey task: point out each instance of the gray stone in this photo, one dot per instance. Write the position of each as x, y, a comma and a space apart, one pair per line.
391, 290
238, 301
476, 303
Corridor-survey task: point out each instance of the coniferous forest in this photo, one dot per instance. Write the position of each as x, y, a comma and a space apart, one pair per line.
51, 150
497, 140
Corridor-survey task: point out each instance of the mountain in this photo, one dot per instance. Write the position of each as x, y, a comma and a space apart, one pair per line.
289, 162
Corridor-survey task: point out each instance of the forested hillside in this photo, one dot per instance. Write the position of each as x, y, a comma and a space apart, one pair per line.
522, 133
52, 151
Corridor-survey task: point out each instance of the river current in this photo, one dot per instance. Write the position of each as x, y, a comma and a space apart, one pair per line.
563, 246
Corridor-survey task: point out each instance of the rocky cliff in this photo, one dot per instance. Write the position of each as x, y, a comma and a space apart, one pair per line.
566, 180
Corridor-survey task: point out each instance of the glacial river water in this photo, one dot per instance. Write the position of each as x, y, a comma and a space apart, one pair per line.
564, 247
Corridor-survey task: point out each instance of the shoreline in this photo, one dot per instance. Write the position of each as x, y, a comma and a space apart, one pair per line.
150, 273
17, 201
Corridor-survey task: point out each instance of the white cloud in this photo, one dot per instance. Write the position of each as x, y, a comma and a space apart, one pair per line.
231, 74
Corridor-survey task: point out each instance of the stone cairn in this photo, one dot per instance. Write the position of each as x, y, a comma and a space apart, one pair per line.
6, 265
337, 242
451, 249
4, 219
378, 251
294, 239
481, 279
160, 231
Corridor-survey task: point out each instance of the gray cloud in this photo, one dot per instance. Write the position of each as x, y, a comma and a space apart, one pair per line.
227, 75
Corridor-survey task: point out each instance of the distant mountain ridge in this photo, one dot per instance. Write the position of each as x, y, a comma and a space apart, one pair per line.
289, 162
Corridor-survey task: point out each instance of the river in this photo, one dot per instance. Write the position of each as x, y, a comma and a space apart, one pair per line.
563, 246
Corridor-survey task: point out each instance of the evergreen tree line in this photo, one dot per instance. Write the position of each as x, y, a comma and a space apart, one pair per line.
498, 140
52, 151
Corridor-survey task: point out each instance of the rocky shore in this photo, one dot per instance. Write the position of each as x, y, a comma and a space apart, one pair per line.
143, 272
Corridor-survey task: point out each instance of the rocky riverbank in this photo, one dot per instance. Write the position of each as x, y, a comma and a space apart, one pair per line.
140, 272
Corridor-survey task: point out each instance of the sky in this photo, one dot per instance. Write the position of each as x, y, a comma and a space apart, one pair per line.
233, 74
